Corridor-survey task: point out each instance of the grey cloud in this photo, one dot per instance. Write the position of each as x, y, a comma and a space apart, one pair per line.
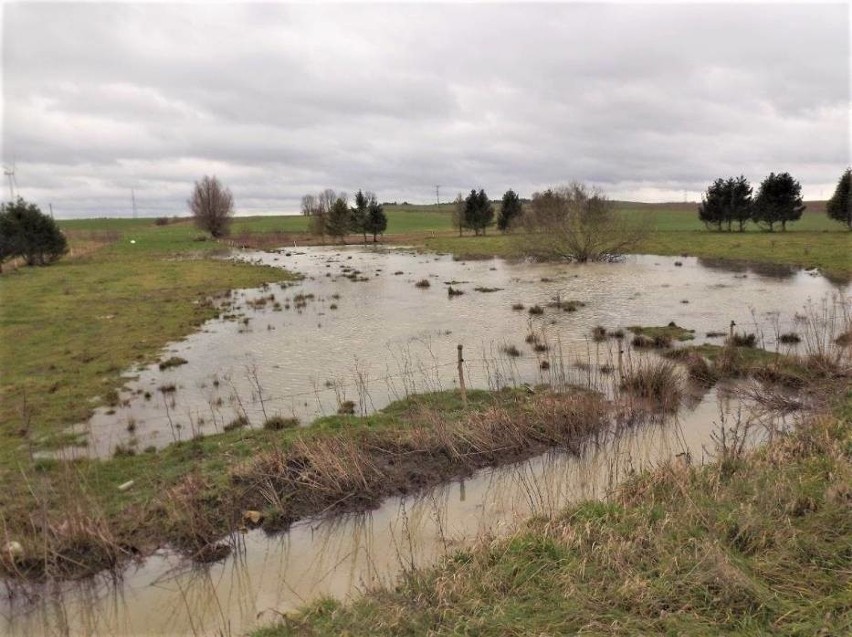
279, 100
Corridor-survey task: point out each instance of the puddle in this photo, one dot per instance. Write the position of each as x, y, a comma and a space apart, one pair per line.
364, 332
341, 557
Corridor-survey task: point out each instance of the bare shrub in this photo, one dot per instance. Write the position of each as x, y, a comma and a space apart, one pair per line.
212, 206
578, 223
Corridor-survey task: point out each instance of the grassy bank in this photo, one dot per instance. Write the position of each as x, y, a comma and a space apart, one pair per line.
812, 242
754, 543
76, 518
69, 330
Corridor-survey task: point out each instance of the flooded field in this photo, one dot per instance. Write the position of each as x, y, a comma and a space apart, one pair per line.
268, 575
358, 328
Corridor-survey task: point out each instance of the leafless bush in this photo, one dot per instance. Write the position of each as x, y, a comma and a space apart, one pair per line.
578, 223
212, 206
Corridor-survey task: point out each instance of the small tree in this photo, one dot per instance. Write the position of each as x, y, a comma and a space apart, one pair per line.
478, 211
839, 207
577, 223
458, 213
310, 205
779, 200
741, 203
358, 214
510, 210
212, 206
725, 202
377, 220
338, 220
26, 232
711, 211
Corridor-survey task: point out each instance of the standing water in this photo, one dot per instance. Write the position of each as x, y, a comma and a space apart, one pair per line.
359, 328
383, 339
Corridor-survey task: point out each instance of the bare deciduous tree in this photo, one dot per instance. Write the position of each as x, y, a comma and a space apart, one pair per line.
577, 223
212, 206
310, 205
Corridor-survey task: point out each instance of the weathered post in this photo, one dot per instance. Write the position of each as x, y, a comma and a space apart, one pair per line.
461, 378
620, 363
733, 325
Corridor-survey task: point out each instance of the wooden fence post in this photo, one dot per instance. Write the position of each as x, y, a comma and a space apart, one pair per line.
461, 378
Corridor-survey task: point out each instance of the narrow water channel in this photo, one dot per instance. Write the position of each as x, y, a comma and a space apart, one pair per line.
340, 557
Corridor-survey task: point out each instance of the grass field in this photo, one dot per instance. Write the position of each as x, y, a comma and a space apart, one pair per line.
814, 241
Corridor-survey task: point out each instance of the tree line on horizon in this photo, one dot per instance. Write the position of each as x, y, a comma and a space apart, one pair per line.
330, 214
730, 203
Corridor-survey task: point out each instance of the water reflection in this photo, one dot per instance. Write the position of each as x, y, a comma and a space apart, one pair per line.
342, 556
358, 329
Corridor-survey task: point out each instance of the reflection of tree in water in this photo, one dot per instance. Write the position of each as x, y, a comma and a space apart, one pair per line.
739, 266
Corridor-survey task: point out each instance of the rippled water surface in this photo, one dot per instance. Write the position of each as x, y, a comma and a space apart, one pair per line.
386, 338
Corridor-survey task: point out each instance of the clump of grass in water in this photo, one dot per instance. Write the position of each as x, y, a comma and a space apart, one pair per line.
451, 291
517, 307
790, 338
174, 361
566, 306
536, 309
511, 350
742, 340
279, 423
485, 290
422, 283
599, 333
655, 380
346, 408
237, 423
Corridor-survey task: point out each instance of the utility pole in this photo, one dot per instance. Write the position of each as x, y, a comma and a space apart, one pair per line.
133, 200
51, 210
438, 195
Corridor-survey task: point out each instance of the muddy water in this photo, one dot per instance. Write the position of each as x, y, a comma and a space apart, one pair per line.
379, 337
341, 557
387, 338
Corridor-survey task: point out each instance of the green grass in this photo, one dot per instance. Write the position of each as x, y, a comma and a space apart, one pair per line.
814, 241
751, 544
69, 330
669, 332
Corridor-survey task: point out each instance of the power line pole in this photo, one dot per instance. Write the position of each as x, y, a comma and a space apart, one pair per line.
51, 210
438, 195
133, 200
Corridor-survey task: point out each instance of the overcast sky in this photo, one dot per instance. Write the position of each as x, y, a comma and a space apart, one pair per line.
646, 101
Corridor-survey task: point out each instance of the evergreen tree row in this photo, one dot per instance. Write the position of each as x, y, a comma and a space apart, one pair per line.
331, 215
476, 212
729, 202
